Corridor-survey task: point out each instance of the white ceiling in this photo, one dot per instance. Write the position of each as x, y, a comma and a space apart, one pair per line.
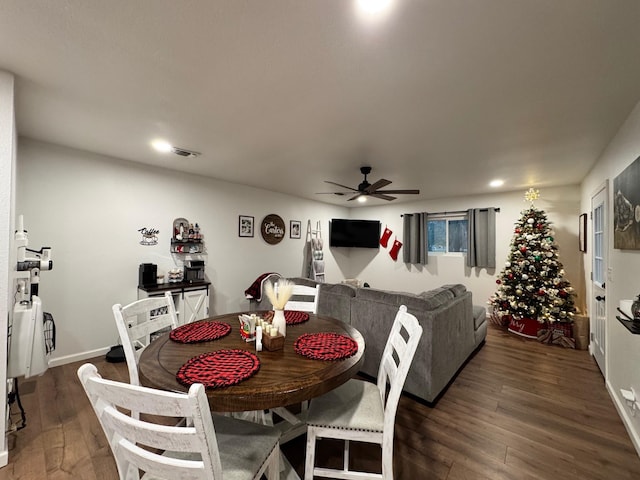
443, 95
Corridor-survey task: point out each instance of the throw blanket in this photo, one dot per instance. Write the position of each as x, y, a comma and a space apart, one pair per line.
254, 292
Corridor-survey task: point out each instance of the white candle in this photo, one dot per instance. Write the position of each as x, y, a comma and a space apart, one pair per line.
258, 338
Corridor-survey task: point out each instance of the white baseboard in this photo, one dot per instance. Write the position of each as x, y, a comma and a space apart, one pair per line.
624, 415
4, 458
56, 362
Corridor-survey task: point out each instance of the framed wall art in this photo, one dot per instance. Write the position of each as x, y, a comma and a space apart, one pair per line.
626, 208
295, 229
272, 229
582, 233
245, 226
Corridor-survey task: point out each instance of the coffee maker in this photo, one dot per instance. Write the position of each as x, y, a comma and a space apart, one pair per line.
194, 271
148, 275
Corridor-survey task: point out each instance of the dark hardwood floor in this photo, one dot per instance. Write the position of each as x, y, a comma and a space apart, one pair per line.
518, 410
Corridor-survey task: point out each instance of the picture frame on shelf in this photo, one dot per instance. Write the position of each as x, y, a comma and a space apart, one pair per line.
295, 229
245, 226
582, 232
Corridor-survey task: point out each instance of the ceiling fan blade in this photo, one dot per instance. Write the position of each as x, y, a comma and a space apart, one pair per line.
411, 192
343, 186
379, 184
383, 197
354, 197
333, 193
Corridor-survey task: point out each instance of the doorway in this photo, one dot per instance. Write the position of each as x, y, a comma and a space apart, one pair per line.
597, 303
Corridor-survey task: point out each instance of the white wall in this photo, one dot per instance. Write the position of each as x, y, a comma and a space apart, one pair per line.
89, 208
7, 258
380, 271
622, 348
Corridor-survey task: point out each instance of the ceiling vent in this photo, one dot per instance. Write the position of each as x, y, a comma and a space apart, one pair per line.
183, 152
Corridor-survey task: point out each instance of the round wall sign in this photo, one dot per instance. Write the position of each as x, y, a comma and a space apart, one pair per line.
272, 229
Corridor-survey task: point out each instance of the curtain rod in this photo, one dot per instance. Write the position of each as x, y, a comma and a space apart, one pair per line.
457, 212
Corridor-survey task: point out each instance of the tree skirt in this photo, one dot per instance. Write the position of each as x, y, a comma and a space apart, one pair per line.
325, 346
221, 368
525, 327
200, 332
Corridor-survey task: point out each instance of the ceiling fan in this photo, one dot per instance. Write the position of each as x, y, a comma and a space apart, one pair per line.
371, 189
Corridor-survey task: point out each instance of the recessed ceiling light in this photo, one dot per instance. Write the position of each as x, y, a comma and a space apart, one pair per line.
496, 183
374, 7
161, 146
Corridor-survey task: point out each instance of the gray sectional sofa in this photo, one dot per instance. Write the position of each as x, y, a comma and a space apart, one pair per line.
453, 328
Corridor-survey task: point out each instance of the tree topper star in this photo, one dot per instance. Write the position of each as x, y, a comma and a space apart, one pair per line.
531, 195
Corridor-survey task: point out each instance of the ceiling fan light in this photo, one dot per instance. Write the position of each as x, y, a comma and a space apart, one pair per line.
496, 183
362, 199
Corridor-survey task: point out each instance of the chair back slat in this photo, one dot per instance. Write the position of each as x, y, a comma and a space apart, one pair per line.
309, 300
157, 466
166, 404
164, 437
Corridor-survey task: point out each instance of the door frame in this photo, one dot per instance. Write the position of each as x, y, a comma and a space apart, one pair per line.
592, 304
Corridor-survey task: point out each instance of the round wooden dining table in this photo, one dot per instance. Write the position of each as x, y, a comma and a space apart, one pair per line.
284, 377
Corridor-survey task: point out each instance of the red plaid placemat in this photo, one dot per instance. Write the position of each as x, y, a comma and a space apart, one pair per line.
325, 346
294, 316
218, 369
200, 332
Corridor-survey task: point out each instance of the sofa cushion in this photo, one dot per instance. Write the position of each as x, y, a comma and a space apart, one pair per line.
335, 301
456, 288
303, 281
382, 296
436, 298
479, 316
338, 289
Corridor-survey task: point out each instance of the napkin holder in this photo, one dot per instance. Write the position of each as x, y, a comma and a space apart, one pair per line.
247, 327
273, 343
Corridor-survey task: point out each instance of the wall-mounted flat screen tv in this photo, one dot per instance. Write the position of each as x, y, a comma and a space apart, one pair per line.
354, 233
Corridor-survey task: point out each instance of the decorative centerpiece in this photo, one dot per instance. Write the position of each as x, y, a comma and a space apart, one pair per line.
279, 295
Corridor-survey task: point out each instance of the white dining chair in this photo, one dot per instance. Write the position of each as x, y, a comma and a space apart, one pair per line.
210, 448
363, 411
138, 321
310, 301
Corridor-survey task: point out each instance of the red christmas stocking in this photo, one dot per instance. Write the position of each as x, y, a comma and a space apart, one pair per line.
395, 249
384, 240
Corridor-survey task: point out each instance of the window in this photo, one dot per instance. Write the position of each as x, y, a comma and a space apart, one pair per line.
447, 234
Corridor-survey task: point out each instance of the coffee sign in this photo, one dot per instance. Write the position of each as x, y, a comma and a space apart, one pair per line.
272, 229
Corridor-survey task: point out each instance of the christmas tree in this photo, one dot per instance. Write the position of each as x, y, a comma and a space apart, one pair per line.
532, 283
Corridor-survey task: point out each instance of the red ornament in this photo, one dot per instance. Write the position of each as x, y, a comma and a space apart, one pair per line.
563, 294
518, 230
523, 248
498, 281
511, 276
539, 226
541, 292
